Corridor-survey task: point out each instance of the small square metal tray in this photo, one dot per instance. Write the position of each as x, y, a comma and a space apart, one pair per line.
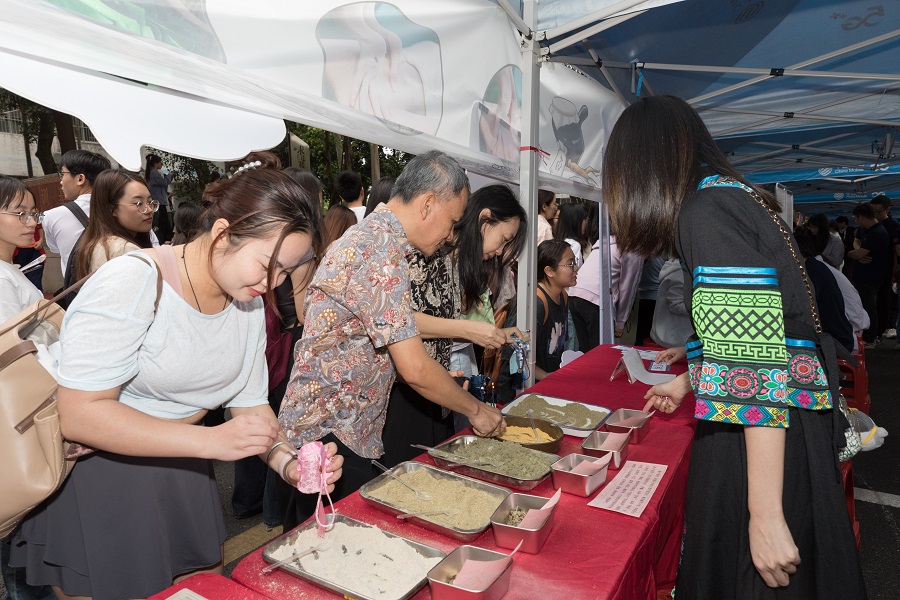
636, 434
450, 566
298, 571
575, 483
591, 446
463, 535
553, 418
509, 536
484, 472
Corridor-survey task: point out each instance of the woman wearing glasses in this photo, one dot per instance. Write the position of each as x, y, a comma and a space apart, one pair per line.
121, 219
18, 219
557, 271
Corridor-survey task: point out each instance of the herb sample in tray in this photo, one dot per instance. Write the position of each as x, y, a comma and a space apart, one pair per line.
569, 414
467, 508
508, 458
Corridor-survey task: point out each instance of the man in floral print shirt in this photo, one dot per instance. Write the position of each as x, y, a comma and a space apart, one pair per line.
360, 329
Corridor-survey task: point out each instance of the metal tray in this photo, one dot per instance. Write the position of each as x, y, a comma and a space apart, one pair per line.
573, 431
463, 535
297, 570
485, 473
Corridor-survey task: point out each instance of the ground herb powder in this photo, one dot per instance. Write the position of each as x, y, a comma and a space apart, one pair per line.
474, 506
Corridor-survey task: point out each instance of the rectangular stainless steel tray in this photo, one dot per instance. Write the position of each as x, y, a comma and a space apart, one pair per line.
463, 535
485, 473
573, 431
297, 570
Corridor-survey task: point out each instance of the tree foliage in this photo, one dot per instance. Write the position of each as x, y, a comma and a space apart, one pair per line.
192, 174
331, 153
41, 124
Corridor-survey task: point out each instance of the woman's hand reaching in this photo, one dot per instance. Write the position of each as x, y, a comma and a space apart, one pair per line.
671, 355
668, 396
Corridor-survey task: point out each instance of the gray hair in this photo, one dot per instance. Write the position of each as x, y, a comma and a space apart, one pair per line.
432, 172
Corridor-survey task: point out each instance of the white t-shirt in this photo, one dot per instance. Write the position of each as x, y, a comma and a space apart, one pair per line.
62, 229
170, 366
359, 211
16, 292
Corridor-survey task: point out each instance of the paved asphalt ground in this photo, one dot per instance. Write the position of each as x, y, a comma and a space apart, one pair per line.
877, 476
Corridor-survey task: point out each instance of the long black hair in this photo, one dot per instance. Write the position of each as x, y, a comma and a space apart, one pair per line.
476, 274
657, 154
570, 223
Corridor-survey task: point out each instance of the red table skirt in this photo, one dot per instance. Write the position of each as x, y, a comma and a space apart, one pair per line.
591, 553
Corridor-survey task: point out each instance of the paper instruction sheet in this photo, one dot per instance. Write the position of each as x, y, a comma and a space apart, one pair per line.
631, 489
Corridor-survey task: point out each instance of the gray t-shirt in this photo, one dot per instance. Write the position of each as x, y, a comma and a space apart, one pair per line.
170, 366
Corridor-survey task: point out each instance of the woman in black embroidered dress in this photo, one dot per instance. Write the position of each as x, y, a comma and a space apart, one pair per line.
765, 514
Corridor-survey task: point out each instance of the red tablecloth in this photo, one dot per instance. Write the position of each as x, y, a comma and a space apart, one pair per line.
209, 585
587, 380
591, 553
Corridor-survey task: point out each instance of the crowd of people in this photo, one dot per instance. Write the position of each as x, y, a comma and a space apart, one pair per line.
352, 327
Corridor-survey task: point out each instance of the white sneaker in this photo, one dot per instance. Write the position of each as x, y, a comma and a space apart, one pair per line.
889, 334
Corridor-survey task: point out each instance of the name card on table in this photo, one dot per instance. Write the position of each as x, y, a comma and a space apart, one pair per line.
631, 490
632, 364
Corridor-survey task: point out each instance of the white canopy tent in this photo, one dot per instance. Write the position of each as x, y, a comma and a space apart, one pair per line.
216, 81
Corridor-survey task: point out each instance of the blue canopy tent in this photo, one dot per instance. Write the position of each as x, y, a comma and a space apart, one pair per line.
784, 86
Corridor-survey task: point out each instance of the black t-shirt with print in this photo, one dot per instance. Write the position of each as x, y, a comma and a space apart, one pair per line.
551, 334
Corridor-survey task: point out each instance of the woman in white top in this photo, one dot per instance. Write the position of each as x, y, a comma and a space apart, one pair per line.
18, 218
571, 227
136, 381
121, 219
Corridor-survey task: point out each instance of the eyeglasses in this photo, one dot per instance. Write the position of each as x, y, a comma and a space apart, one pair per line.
144, 207
61, 173
571, 265
24, 217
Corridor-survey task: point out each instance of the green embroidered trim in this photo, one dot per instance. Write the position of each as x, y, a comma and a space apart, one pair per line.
740, 326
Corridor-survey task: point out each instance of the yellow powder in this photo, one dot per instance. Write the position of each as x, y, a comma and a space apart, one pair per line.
525, 435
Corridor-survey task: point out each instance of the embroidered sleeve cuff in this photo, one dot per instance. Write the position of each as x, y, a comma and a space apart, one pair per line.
741, 414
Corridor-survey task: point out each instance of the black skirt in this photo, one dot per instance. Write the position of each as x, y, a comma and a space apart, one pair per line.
716, 562
124, 527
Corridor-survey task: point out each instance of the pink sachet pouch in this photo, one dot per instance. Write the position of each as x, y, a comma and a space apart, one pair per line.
311, 463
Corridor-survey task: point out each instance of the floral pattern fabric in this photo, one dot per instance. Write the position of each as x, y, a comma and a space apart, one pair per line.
435, 291
358, 303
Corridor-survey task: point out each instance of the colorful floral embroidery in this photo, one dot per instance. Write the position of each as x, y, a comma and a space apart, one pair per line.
742, 382
774, 385
711, 380
803, 368
821, 378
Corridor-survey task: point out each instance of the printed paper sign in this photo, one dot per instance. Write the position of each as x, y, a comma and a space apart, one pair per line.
630, 491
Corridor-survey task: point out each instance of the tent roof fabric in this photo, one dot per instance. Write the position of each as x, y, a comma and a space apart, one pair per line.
776, 98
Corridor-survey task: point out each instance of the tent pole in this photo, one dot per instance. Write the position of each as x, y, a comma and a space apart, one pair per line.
799, 116
594, 29
786, 72
591, 18
528, 176
800, 65
521, 25
605, 72
810, 109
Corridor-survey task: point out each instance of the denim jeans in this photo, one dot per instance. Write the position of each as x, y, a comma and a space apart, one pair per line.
252, 493
14, 579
